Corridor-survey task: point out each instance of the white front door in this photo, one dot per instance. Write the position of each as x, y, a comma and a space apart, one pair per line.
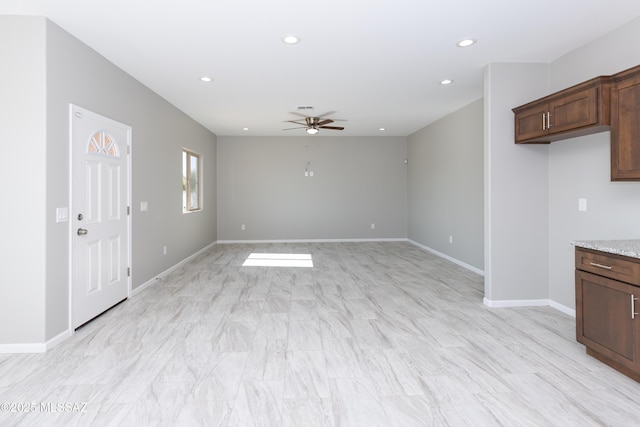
100, 226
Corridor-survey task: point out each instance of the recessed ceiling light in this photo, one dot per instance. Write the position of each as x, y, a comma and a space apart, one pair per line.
245, 129
466, 42
206, 79
446, 82
381, 129
291, 39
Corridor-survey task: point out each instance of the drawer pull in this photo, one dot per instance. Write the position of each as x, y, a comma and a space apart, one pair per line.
633, 306
606, 267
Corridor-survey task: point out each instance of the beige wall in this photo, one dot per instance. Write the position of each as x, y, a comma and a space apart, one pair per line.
357, 181
445, 185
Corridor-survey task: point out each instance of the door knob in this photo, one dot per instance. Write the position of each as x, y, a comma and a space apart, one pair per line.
82, 231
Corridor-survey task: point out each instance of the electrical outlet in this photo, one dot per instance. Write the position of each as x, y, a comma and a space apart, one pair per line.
373, 226
242, 227
164, 250
450, 239
306, 173
310, 173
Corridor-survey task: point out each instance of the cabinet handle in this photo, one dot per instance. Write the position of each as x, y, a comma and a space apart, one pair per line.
548, 120
633, 306
543, 124
606, 267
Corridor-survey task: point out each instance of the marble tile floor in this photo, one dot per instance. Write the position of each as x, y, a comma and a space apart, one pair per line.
375, 334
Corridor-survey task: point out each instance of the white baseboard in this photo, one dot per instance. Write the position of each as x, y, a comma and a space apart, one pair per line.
35, 347
448, 258
391, 239
148, 283
530, 303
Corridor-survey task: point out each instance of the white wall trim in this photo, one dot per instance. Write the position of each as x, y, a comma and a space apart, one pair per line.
57, 339
392, 239
530, 303
448, 258
35, 347
563, 308
150, 282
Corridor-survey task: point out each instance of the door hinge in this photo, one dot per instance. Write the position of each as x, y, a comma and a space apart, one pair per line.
128, 271
128, 210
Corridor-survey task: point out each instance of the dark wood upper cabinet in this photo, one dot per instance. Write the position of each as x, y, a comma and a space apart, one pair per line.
579, 110
625, 126
600, 104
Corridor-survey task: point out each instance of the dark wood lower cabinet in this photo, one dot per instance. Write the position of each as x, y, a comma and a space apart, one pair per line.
606, 319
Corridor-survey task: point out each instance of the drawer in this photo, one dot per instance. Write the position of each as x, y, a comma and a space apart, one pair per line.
616, 267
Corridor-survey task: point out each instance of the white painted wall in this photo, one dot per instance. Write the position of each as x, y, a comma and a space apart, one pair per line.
357, 181
445, 185
516, 189
23, 176
580, 168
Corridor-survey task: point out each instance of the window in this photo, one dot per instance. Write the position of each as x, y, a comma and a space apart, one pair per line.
191, 191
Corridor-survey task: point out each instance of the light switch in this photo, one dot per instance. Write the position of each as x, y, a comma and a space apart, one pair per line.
144, 206
582, 205
62, 214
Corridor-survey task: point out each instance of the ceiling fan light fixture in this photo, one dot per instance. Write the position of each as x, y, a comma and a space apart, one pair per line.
446, 82
312, 131
206, 79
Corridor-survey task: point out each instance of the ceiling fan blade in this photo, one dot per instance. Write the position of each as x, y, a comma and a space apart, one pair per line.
325, 122
332, 127
296, 122
302, 127
297, 114
328, 113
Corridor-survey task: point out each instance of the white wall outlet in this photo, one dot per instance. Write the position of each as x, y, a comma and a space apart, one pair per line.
582, 205
164, 250
373, 226
306, 173
62, 214
310, 173
144, 206
450, 239
242, 227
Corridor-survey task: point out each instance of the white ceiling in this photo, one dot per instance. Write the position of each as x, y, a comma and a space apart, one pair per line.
377, 63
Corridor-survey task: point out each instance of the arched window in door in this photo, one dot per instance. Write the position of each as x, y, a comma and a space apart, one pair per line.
101, 142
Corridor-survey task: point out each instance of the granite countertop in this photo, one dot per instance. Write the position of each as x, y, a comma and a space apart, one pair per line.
630, 248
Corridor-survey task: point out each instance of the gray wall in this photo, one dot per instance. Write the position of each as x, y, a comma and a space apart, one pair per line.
579, 168
76, 74
357, 181
445, 185
23, 177
516, 190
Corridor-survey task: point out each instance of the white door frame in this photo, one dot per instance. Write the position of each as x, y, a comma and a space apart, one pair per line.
71, 207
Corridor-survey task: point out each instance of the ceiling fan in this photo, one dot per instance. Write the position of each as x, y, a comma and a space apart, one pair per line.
314, 124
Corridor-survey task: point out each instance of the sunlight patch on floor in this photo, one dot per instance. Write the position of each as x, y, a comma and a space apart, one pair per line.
278, 260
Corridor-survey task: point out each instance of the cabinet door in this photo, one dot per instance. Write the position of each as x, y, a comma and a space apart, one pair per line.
574, 111
625, 129
531, 122
604, 321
